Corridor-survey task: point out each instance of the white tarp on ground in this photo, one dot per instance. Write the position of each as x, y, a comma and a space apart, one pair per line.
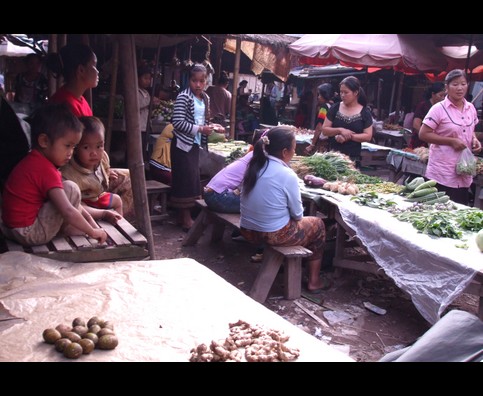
160, 309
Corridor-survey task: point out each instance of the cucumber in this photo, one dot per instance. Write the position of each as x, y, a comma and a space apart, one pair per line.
422, 192
427, 197
432, 196
427, 184
443, 199
415, 183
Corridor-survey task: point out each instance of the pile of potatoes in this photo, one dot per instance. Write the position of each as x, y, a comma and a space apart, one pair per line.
81, 338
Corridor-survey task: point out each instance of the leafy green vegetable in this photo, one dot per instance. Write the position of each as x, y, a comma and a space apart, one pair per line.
372, 200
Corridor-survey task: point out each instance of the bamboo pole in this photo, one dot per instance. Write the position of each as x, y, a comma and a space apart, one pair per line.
112, 95
52, 50
127, 57
235, 88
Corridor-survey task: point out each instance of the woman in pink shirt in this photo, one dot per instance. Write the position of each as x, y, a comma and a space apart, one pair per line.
449, 127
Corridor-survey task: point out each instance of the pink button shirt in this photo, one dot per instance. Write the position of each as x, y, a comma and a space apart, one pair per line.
447, 120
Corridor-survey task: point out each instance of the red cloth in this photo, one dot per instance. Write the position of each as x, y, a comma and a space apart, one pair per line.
79, 107
104, 201
26, 189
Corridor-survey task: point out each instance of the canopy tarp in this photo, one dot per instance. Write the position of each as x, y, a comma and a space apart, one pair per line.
266, 51
408, 53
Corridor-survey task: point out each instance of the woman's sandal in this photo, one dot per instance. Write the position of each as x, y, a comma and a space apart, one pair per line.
327, 285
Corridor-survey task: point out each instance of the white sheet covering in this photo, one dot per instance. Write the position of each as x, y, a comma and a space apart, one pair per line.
160, 309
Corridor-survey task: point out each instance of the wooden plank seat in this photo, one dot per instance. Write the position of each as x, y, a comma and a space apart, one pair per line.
206, 217
157, 192
124, 242
273, 257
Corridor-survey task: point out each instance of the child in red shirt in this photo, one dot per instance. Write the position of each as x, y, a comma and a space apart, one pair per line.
36, 203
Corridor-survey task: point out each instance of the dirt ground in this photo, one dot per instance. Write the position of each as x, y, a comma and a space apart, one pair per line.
337, 316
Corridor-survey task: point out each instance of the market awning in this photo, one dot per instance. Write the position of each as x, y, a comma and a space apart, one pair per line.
406, 53
266, 51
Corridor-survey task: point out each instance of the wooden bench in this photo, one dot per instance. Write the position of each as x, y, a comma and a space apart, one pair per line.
124, 242
206, 217
273, 256
157, 192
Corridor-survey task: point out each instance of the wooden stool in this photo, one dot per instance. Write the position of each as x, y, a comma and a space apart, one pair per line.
157, 191
273, 257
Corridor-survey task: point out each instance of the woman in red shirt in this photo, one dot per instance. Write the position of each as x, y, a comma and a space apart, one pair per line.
77, 64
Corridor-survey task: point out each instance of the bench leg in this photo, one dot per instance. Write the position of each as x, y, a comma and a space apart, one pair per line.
218, 231
293, 278
196, 230
266, 275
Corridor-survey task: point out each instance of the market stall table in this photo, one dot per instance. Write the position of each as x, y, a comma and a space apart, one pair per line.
402, 163
391, 138
160, 309
433, 271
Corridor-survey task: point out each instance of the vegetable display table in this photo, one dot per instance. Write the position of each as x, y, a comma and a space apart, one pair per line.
433, 271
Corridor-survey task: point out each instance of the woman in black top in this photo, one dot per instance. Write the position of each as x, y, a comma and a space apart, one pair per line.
349, 123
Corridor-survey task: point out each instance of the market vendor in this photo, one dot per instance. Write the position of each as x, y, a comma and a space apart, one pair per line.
449, 127
325, 97
349, 122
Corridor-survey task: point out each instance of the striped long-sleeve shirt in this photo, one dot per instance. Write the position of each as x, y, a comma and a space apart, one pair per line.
183, 120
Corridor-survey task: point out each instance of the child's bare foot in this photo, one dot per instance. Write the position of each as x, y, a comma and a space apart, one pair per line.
112, 216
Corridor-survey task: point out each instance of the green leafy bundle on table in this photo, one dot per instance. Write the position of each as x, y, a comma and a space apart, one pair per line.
331, 166
449, 223
164, 110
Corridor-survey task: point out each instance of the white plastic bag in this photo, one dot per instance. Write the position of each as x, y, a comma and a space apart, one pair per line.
466, 164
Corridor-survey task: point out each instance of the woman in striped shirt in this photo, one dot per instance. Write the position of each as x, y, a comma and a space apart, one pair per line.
190, 135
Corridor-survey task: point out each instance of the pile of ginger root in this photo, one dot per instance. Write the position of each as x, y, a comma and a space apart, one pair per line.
260, 346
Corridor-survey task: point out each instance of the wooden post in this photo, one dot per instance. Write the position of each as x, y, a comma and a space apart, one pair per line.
399, 96
379, 93
393, 91
52, 50
87, 93
61, 42
148, 128
235, 88
127, 57
112, 94
219, 54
